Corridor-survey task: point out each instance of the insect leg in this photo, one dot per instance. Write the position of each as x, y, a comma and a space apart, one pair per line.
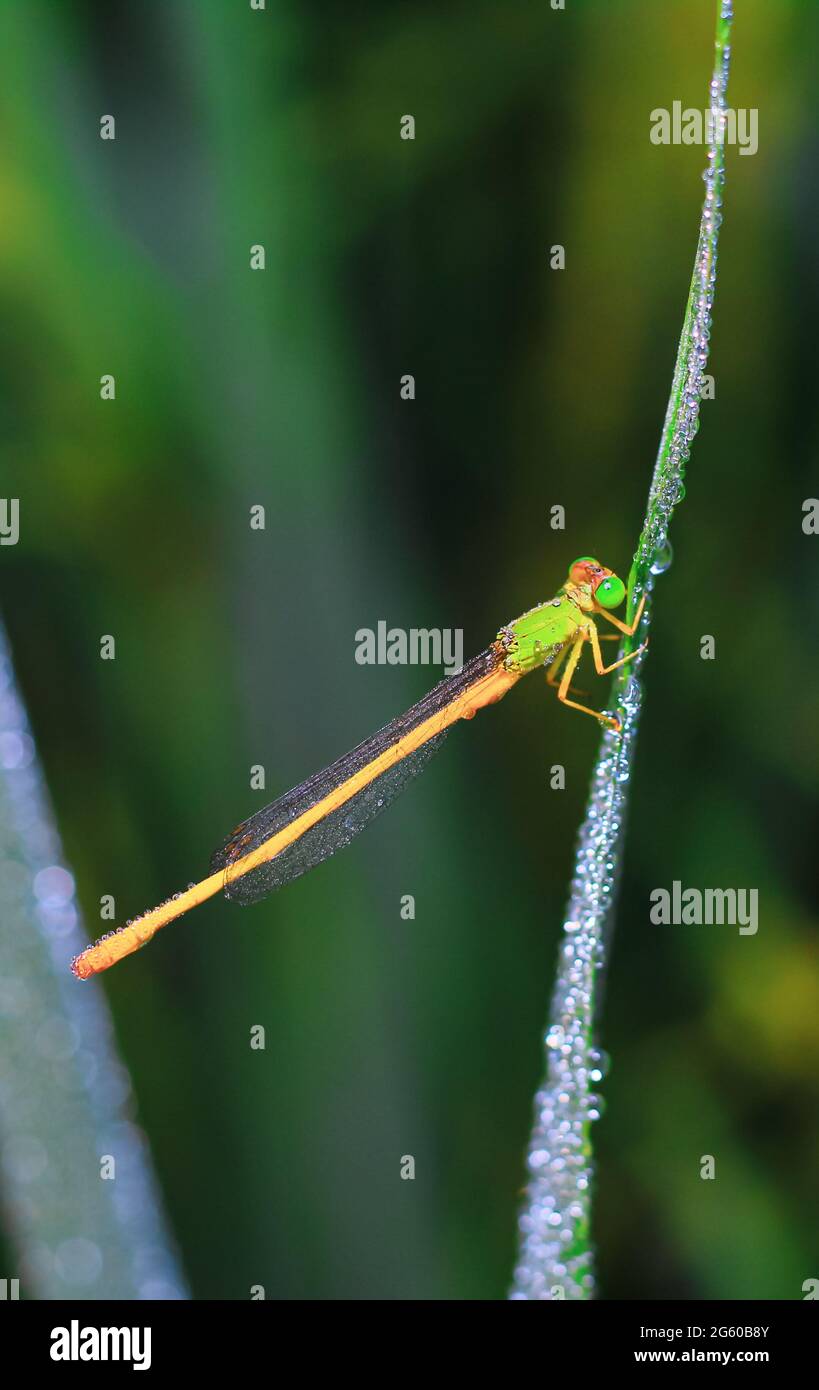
598, 655
563, 692
621, 626
551, 671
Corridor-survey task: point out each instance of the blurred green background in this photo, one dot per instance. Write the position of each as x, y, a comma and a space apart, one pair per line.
236, 647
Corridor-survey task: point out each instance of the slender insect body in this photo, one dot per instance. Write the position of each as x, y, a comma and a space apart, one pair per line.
307, 825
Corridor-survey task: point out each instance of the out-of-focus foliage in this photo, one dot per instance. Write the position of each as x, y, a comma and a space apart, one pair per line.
236, 647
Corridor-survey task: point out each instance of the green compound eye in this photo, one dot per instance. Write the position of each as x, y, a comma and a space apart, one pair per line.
611, 592
584, 560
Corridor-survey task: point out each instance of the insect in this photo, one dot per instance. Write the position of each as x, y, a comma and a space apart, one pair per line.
323, 814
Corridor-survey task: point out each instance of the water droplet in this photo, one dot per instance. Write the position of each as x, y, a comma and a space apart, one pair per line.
662, 560
600, 1060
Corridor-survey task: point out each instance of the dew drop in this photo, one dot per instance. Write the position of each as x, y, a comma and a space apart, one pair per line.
662, 560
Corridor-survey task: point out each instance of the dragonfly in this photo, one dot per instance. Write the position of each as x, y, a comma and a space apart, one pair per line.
324, 814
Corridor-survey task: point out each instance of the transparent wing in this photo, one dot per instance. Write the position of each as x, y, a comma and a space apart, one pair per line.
337, 829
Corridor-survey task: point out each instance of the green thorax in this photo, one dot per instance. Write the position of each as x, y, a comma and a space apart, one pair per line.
536, 637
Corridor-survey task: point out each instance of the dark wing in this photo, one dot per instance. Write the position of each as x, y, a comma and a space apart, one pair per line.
342, 825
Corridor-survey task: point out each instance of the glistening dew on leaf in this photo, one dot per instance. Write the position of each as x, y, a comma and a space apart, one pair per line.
555, 1259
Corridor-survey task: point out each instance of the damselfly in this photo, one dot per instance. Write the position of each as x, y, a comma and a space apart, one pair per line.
323, 814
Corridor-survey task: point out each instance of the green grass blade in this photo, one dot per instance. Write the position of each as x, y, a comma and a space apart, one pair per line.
81, 1208
556, 1257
